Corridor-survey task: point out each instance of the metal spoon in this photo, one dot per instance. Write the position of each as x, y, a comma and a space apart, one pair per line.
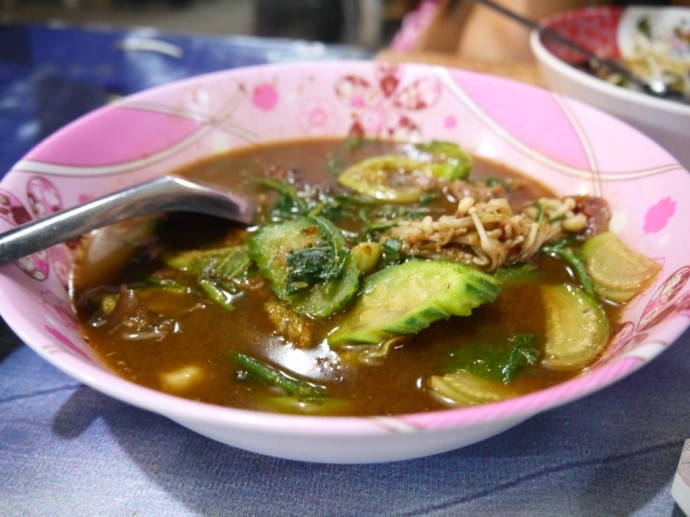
165, 194
656, 88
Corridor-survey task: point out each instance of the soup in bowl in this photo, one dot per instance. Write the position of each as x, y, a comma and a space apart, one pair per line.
437, 256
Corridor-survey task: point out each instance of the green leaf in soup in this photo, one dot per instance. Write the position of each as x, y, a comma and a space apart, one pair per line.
220, 264
392, 251
309, 266
448, 159
561, 249
215, 271
482, 373
517, 273
218, 294
289, 205
288, 383
497, 361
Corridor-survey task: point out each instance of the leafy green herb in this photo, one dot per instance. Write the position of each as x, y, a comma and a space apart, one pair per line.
219, 295
561, 248
497, 361
321, 263
310, 266
294, 203
540, 211
392, 251
165, 283
328, 207
290, 384
516, 273
289, 205
271, 246
215, 271
281, 186
373, 231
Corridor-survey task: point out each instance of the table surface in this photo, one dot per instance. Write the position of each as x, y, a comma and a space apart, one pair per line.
66, 449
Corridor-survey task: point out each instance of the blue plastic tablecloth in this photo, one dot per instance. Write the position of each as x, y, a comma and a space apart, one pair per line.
67, 450
51, 74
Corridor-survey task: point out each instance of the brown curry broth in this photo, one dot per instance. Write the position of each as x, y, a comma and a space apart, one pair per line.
207, 336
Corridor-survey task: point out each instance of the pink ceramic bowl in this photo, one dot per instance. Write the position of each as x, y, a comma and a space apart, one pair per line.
610, 32
567, 145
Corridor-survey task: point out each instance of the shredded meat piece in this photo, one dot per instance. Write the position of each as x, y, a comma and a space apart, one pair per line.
597, 212
488, 234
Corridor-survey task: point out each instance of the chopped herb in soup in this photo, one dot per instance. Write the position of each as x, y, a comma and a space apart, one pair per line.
379, 278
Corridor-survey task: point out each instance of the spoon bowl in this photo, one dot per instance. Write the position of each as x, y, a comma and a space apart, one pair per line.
164, 194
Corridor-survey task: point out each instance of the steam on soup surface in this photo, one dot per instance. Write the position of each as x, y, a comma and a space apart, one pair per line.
379, 278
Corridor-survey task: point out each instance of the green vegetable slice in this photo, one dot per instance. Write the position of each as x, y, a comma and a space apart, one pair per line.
617, 272
306, 264
387, 178
466, 389
400, 179
406, 298
449, 160
576, 327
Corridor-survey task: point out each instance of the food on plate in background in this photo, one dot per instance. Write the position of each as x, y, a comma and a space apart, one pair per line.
657, 57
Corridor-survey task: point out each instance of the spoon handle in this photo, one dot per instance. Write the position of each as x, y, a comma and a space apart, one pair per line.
168, 193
